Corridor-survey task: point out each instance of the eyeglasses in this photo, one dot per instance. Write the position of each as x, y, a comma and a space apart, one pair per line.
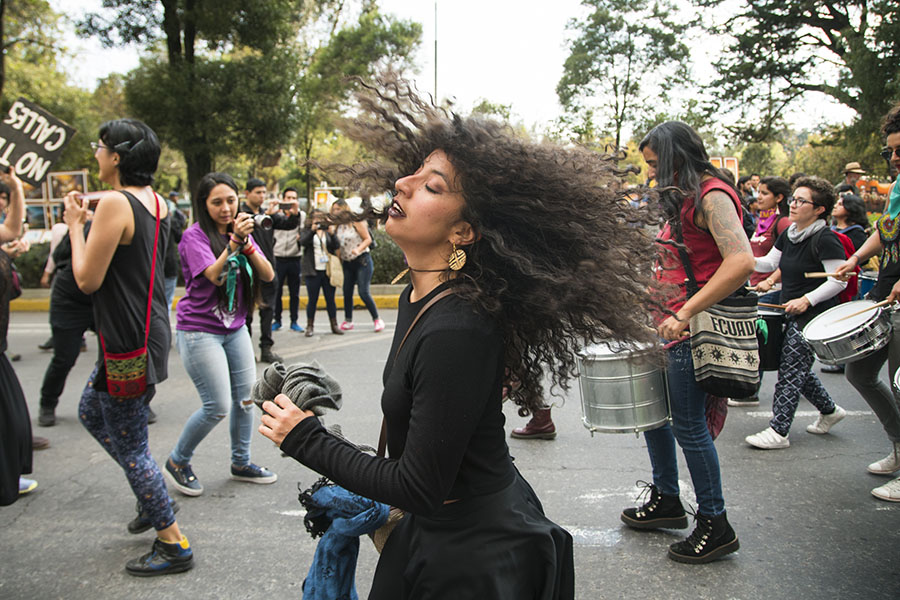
97, 145
887, 153
801, 201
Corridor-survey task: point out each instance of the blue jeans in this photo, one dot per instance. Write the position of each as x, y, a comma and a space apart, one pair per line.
314, 283
171, 282
223, 370
688, 403
358, 272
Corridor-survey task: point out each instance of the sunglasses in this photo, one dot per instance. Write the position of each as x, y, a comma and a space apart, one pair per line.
887, 153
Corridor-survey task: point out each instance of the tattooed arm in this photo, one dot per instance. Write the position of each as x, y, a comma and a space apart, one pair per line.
718, 215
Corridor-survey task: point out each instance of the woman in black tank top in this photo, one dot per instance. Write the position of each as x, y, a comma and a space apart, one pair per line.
116, 265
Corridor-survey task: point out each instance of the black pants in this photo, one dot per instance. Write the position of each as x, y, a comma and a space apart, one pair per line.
288, 268
314, 283
267, 291
66, 347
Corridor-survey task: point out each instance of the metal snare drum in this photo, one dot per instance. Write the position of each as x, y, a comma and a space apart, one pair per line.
835, 341
622, 391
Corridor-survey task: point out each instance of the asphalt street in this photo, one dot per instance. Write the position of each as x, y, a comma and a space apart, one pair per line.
808, 526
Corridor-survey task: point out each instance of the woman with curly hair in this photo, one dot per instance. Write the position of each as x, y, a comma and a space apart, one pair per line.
526, 248
864, 374
703, 219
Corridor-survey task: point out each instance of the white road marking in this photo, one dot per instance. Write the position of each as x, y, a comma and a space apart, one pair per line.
292, 513
808, 413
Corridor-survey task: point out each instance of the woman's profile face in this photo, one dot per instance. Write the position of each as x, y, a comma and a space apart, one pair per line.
766, 200
222, 205
427, 206
651, 158
106, 162
839, 211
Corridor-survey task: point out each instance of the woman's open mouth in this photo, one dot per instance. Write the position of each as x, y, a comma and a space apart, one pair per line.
395, 211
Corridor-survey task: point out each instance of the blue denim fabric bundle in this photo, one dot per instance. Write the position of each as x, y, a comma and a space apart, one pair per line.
340, 517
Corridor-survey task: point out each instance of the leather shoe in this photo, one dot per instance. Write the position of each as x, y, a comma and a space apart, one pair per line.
540, 427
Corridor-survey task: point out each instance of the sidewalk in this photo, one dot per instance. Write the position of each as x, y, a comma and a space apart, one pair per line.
385, 296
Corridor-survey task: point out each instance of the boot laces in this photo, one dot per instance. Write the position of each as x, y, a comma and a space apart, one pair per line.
702, 530
647, 491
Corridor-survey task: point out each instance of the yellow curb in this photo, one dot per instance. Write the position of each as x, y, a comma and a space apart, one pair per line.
381, 301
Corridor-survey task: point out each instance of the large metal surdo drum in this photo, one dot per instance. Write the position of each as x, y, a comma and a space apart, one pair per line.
836, 337
622, 390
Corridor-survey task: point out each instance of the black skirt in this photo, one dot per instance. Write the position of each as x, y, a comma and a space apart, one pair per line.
15, 433
495, 546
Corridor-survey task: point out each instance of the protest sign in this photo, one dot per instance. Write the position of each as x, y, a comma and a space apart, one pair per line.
31, 139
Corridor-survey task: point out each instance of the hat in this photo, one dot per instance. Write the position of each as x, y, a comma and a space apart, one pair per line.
854, 167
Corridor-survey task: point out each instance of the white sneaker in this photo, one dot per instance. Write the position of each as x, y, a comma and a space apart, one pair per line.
825, 422
888, 464
889, 491
768, 439
754, 401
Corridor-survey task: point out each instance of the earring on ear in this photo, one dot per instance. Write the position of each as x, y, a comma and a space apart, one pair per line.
457, 259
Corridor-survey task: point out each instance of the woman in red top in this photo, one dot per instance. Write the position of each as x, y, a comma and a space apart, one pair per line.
774, 193
721, 260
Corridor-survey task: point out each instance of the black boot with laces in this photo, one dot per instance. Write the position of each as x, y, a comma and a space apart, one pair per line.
712, 538
660, 512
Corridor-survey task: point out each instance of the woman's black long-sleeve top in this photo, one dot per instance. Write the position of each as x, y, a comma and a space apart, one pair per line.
442, 405
308, 264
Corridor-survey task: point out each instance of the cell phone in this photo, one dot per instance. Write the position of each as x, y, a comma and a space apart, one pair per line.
285, 205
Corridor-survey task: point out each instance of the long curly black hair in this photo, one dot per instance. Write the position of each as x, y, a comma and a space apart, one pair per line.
561, 259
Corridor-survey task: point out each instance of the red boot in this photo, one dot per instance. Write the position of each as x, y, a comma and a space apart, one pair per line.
540, 427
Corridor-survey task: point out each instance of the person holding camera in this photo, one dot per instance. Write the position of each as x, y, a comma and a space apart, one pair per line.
264, 222
318, 241
223, 273
287, 262
120, 266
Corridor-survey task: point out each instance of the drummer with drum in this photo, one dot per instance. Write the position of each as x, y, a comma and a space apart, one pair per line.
808, 245
863, 374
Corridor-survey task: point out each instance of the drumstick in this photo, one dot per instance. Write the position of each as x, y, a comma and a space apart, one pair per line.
859, 312
824, 275
781, 306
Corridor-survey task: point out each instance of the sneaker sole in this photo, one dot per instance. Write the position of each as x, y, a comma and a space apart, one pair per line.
184, 490
667, 523
775, 447
716, 554
260, 480
881, 472
177, 568
534, 436
886, 499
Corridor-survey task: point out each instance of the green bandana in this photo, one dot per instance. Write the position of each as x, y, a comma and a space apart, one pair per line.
894, 203
233, 265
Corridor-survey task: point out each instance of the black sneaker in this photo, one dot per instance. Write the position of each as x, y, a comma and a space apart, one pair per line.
711, 539
141, 522
267, 356
48, 345
183, 479
46, 417
253, 474
163, 559
660, 512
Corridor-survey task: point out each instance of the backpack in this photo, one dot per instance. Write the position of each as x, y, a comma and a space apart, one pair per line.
852, 288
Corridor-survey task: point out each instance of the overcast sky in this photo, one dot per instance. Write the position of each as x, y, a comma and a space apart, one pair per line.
506, 51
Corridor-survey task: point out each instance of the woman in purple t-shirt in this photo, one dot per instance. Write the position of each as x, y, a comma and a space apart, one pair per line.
223, 268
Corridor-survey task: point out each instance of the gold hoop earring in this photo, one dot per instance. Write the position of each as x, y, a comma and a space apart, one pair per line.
457, 259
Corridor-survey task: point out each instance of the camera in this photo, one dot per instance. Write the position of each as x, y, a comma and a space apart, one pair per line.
263, 221
322, 226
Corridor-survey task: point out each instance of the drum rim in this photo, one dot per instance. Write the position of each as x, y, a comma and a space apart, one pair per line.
874, 316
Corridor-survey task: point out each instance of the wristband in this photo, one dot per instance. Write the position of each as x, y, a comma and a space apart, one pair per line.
248, 251
238, 241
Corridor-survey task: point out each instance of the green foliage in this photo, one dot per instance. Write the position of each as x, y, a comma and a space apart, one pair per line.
387, 257
784, 49
626, 52
31, 264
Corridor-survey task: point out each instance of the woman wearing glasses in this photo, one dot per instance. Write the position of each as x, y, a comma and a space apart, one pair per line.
863, 374
808, 245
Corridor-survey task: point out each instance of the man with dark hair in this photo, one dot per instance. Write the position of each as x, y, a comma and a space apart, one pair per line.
754, 184
265, 239
287, 262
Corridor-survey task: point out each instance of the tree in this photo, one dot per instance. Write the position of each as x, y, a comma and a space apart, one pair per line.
28, 31
624, 51
783, 50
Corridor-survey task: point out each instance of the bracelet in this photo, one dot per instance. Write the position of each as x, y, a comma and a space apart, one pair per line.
769, 281
248, 251
238, 241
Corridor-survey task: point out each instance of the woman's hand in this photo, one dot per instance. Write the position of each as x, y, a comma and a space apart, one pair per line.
280, 417
846, 270
673, 329
10, 178
797, 306
243, 225
76, 209
894, 296
763, 286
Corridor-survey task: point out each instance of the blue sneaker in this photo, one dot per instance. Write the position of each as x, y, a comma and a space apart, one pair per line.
253, 474
164, 558
183, 479
26, 486
295, 326
276, 326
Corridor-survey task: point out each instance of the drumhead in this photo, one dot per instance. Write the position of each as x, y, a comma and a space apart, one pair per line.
827, 325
